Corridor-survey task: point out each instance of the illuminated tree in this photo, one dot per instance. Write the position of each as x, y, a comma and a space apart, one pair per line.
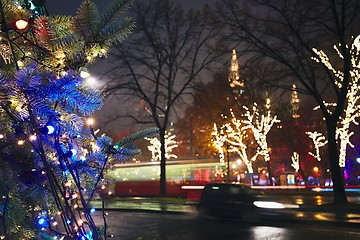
235, 137
295, 163
238, 139
219, 142
155, 147
285, 38
352, 108
260, 126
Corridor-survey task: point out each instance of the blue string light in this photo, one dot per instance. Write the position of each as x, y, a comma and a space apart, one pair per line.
42, 222
48, 129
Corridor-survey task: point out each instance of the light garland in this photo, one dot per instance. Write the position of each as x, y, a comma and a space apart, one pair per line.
219, 142
235, 137
260, 126
352, 108
295, 161
155, 147
319, 141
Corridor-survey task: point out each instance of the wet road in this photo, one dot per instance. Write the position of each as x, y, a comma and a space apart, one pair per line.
310, 198
125, 225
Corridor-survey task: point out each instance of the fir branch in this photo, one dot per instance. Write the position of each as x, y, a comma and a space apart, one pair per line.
86, 19
145, 133
63, 25
43, 32
113, 11
117, 31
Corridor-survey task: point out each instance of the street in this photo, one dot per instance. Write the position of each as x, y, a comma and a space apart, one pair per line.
134, 225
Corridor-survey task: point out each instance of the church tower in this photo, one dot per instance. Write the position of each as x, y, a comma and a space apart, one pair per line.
295, 102
234, 79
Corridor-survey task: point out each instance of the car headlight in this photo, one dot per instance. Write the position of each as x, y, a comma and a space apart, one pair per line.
268, 204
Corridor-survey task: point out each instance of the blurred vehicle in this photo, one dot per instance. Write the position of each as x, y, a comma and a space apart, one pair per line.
227, 200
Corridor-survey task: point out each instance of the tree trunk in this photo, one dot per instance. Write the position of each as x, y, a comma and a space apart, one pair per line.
336, 174
269, 172
162, 163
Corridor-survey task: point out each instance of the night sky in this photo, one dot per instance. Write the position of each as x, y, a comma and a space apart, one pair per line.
69, 6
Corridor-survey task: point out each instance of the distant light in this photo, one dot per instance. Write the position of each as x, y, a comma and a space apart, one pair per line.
21, 24
92, 210
358, 160
192, 187
91, 81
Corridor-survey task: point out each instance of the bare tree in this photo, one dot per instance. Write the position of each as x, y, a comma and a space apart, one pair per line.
158, 65
286, 33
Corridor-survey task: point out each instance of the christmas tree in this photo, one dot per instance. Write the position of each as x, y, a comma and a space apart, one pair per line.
52, 164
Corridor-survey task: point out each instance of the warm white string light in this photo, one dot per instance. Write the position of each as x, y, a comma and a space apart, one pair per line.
219, 142
352, 108
260, 126
295, 161
155, 147
236, 135
319, 141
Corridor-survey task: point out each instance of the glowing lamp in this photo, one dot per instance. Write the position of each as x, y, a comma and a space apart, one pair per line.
21, 24
358, 160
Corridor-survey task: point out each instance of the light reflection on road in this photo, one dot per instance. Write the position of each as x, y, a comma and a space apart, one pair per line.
265, 232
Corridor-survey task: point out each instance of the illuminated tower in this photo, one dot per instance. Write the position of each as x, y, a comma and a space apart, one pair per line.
235, 83
295, 102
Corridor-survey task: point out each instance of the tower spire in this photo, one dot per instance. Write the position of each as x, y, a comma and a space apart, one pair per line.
234, 78
295, 102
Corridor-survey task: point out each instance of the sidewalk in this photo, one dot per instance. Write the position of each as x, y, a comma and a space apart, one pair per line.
345, 216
